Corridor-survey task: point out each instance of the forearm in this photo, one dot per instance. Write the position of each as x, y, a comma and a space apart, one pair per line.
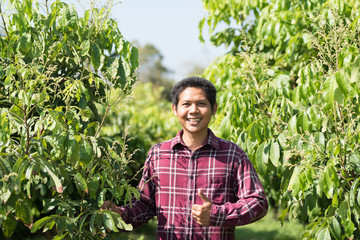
242, 212
138, 212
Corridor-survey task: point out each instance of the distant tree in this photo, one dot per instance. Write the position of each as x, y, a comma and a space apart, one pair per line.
196, 69
152, 69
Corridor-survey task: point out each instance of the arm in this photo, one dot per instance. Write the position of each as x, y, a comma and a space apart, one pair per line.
251, 204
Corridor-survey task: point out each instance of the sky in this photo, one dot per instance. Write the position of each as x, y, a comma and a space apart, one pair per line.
172, 27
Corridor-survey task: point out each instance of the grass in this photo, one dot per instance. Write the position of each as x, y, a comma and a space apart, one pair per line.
267, 228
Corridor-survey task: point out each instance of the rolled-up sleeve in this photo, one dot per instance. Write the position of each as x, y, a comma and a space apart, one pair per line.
251, 204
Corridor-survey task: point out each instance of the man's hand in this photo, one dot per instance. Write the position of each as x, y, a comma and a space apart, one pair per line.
201, 213
108, 205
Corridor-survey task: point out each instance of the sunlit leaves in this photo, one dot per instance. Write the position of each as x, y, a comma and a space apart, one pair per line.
294, 97
56, 70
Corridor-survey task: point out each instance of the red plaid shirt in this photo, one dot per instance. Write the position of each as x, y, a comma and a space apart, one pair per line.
171, 179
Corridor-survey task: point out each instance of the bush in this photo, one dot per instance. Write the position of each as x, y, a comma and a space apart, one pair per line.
56, 68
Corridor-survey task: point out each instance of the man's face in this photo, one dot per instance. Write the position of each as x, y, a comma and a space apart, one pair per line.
194, 110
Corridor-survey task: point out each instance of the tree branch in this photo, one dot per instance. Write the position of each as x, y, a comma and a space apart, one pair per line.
5, 28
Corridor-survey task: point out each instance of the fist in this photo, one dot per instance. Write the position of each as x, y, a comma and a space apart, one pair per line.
108, 205
201, 212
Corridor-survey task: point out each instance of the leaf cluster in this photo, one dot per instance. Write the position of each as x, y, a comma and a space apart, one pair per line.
299, 125
56, 69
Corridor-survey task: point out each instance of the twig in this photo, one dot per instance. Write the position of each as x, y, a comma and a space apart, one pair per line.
5, 28
103, 120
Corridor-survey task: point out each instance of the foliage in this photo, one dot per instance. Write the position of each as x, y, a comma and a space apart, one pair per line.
151, 120
281, 29
290, 99
55, 168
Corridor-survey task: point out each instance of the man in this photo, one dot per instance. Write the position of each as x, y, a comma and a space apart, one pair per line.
198, 185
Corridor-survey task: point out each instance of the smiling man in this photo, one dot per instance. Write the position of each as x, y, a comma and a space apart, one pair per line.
198, 185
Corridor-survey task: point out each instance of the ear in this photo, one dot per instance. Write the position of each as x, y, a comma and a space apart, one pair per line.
214, 109
174, 109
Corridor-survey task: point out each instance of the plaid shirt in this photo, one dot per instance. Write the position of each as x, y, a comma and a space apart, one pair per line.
171, 179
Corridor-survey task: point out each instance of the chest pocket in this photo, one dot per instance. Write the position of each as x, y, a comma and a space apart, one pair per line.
220, 179
221, 184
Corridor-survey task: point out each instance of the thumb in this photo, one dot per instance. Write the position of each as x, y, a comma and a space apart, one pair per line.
203, 197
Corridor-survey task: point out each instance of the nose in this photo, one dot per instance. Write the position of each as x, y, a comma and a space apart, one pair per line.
194, 108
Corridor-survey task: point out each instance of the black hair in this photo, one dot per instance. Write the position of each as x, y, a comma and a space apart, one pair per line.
197, 82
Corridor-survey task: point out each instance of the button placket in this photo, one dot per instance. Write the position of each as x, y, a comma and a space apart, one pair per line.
192, 185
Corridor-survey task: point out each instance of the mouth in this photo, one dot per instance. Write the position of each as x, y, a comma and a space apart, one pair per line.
193, 120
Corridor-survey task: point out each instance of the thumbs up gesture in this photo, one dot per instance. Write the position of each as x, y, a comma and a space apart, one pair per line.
201, 213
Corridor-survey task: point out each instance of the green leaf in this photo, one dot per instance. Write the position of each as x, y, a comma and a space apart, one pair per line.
95, 55
323, 234
225, 127
353, 190
349, 227
23, 211
9, 72
120, 223
262, 157
343, 82
60, 236
113, 68
355, 77
200, 27
101, 198
9, 225
330, 86
320, 140
275, 153
251, 131
109, 221
302, 123
294, 180
134, 57
92, 222
80, 182
50, 204
58, 185
85, 47
41, 222
283, 215
335, 228
338, 96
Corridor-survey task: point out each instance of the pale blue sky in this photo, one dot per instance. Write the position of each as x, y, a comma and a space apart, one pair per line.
172, 26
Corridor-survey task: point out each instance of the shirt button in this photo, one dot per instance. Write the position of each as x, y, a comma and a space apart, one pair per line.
190, 198
189, 218
192, 177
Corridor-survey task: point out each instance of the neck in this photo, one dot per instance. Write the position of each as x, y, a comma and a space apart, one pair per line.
194, 140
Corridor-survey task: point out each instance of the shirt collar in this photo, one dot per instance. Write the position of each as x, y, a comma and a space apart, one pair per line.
211, 140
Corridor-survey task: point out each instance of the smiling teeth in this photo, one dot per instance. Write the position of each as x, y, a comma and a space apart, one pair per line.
194, 120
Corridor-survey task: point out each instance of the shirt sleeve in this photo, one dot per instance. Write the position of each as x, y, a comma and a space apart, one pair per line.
251, 204
141, 210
